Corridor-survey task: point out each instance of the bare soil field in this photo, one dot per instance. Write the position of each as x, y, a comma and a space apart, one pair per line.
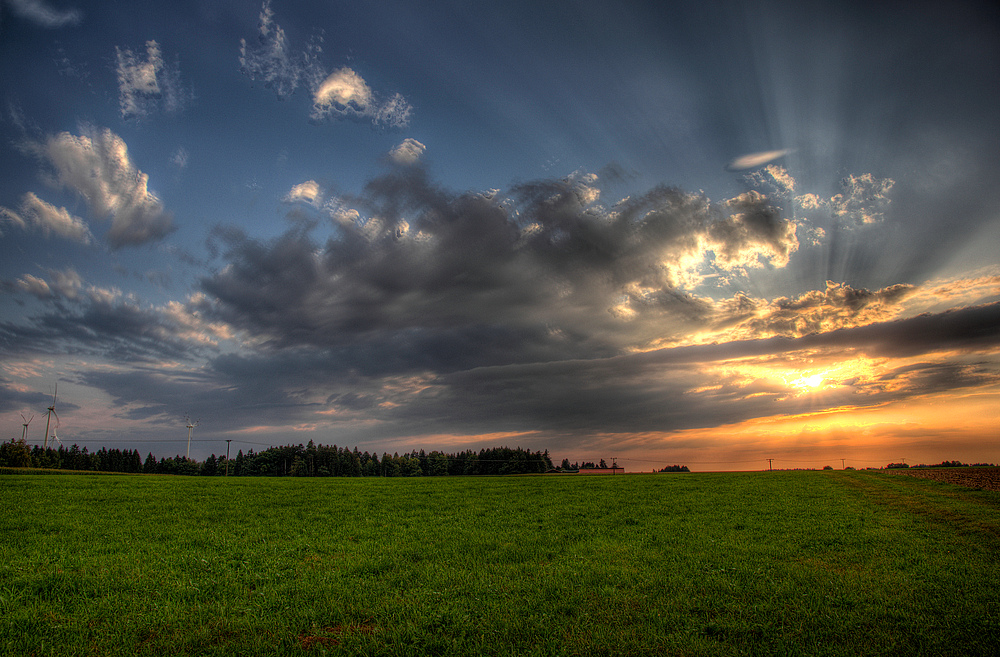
985, 478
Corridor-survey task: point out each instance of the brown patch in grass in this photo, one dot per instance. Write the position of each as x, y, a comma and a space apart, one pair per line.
328, 635
983, 478
308, 642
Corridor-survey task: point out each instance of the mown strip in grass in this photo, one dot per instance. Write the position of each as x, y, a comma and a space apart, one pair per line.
707, 564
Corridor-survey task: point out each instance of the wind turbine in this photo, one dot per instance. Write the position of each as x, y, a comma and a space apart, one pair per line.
24, 434
49, 414
190, 427
55, 435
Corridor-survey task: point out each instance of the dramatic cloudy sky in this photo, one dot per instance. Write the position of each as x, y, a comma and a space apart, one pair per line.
704, 233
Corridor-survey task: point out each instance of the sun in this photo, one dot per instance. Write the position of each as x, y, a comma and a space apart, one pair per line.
810, 382
814, 381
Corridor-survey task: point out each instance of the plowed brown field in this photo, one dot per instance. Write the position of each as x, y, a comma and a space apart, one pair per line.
986, 478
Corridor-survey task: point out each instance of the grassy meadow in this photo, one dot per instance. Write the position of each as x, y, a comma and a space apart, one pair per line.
779, 563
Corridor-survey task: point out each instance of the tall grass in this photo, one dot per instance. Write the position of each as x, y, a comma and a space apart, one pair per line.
810, 563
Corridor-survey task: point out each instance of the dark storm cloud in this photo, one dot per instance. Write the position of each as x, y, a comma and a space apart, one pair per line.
670, 389
433, 311
163, 397
542, 273
966, 329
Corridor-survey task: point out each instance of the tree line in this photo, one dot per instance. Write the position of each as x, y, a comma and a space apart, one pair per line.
942, 464
309, 460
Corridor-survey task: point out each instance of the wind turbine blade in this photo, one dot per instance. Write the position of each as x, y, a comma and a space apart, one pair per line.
57, 418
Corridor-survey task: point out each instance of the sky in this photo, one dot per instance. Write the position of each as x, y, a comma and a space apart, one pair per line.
697, 233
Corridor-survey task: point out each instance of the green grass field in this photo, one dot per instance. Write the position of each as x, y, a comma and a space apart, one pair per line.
782, 563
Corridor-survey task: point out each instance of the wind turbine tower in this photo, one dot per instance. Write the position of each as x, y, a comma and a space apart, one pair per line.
24, 433
49, 414
190, 428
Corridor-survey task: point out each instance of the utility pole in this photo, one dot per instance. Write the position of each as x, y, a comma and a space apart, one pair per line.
843, 466
228, 440
769, 468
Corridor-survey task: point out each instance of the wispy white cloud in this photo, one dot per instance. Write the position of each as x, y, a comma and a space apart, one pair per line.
97, 165
66, 284
754, 160
146, 85
43, 15
34, 286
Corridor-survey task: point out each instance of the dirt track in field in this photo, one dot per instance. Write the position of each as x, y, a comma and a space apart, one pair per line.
986, 478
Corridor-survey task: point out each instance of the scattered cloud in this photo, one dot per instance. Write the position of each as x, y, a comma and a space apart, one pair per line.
407, 152
307, 192
67, 283
43, 15
49, 219
147, 85
180, 158
837, 307
342, 93
863, 201
774, 178
34, 286
96, 165
270, 59
87, 320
